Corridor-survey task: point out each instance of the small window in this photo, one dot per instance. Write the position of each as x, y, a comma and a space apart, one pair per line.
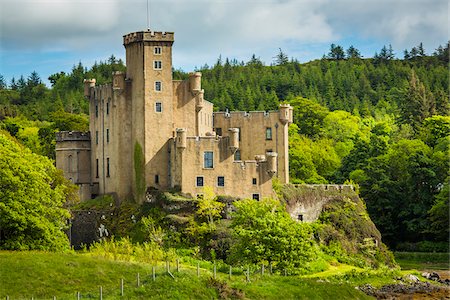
158, 107
96, 168
107, 108
254, 181
200, 196
219, 131
199, 181
221, 181
107, 135
300, 218
96, 110
237, 155
268, 133
107, 167
255, 196
239, 133
69, 162
96, 137
156, 179
157, 50
208, 159
157, 65
158, 86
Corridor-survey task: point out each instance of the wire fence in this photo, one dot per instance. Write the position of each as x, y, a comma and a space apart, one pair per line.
249, 272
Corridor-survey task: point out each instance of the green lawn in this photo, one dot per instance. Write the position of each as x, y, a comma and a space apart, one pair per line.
43, 275
423, 260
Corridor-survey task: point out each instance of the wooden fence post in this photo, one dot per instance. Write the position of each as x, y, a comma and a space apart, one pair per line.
121, 287
178, 265
153, 273
248, 274
101, 293
229, 275
138, 281
262, 270
78, 296
198, 269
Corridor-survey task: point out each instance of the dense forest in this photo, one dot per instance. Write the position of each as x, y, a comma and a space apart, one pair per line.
381, 123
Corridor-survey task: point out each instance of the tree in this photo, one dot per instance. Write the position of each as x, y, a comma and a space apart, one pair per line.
209, 207
2, 83
418, 104
352, 52
336, 52
264, 232
281, 58
439, 214
308, 115
33, 79
31, 200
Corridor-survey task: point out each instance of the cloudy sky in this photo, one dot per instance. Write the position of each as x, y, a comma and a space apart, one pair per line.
52, 35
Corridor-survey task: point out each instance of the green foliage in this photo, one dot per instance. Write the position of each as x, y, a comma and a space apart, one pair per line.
423, 260
264, 232
209, 207
31, 200
348, 234
439, 214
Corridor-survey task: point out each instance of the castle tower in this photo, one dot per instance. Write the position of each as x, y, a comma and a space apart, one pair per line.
73, 157
149, 69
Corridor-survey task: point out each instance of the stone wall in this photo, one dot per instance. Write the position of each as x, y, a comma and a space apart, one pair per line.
304, 202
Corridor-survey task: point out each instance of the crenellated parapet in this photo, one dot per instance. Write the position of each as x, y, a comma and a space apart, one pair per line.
66, 136
148, 36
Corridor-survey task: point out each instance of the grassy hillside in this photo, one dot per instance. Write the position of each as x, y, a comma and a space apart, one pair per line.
43, 275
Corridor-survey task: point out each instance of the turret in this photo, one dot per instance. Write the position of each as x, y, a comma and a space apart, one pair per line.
199, 100
181, 138
286, 114
195, 82
234, 139
88, 84
271, 163
118, 80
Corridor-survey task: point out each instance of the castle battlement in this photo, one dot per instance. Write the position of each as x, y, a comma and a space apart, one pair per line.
247, 114
148, 36
65, 136
328, 187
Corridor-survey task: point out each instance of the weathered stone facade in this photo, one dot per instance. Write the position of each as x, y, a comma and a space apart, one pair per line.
150, 131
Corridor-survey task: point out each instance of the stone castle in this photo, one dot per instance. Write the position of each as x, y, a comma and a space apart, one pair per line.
148, 131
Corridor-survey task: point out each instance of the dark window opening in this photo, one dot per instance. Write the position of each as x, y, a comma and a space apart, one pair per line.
199, 181
268, 133
219, 131
158, 86
300, 218
254, 181
107, 167
221, 181
96, 168
107, 135
237, 155
107, 108
96, 137
156, 179
96, 110
255, 196
158, 107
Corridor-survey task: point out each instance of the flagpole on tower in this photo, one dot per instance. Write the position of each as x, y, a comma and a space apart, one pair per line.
148, 18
